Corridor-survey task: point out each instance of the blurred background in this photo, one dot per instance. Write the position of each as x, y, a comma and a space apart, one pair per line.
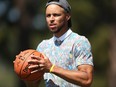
23, 26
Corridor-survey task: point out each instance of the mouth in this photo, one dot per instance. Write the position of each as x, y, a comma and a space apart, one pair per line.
52, 26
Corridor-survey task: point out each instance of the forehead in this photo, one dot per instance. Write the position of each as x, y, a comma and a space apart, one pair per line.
54, 8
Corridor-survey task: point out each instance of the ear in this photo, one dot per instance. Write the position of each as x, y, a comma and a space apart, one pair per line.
68, 16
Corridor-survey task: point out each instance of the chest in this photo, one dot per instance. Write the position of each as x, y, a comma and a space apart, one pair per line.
61, 55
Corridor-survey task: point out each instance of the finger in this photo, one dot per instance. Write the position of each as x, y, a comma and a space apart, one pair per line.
41, 66
34, 71
33, 67
35, 57
44, 55
33, 61
37, 70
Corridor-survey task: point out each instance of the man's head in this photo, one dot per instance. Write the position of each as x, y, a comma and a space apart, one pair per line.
59, 8
63, 3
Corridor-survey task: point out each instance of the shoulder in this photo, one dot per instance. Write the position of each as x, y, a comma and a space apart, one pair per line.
81, 41
79, 38
44, 44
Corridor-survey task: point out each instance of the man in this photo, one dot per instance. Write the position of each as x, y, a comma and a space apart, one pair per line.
68, 60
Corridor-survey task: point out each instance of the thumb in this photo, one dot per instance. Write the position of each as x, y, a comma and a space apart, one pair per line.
44, 56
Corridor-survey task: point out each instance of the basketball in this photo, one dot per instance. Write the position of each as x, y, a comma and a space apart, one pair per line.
21, 65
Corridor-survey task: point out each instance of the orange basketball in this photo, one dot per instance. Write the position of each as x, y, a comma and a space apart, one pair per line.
21, 65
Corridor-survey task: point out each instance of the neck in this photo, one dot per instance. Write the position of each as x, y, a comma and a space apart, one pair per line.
60, 33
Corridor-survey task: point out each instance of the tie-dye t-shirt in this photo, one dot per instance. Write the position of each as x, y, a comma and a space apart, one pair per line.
74, 51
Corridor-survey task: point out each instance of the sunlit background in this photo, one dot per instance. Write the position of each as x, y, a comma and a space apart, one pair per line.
23, 26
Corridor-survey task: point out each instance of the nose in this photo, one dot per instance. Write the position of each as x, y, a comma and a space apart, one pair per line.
52, 18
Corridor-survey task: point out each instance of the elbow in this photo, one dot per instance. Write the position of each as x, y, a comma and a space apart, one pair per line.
87, 83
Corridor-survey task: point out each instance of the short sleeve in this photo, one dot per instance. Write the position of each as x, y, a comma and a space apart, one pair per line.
40, 46
82, 52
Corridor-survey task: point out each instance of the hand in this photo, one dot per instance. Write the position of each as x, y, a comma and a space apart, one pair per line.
37, 64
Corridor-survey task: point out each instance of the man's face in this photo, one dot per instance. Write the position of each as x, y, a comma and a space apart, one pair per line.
56, 18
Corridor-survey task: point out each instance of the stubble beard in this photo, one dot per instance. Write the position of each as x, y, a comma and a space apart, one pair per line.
57, 30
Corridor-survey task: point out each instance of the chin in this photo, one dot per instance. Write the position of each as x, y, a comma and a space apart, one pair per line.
53, 30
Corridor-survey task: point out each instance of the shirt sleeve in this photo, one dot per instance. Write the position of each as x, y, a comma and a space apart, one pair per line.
82, 52
40, 46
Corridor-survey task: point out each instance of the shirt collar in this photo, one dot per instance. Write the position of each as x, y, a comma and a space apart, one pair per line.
61, 38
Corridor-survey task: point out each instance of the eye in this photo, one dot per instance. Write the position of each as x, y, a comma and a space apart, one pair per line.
48, 15
56, 15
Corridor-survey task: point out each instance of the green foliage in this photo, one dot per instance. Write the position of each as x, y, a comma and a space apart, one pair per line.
100, 46
100, 80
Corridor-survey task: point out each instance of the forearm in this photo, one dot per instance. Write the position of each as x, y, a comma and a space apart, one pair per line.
76, 77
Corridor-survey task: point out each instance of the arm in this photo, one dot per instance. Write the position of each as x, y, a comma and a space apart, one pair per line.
83, 76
